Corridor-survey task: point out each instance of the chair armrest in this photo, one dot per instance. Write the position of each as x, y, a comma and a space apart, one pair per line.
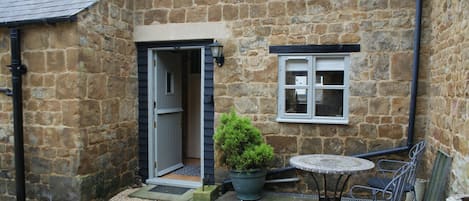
386, 195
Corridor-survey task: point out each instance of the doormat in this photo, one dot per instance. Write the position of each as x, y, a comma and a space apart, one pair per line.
169, 190
188, 170
147, 193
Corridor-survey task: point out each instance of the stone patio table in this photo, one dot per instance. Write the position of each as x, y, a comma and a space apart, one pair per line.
325, 164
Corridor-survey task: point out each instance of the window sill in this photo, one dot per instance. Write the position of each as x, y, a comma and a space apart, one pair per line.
314, 121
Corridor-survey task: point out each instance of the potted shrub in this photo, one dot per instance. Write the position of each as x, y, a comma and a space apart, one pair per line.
242, 149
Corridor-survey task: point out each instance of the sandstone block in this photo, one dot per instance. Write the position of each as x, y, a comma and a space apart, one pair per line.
127, 110
115, 85
40, 165
380, 40
224, 103
392, 131
368, 131
310, 146
276, 9
296, 8
268, 127
72, 56
350, 38
89, 61
401, 66
290, 129
35, 61
402, 4
246, 105
35, 40
182, 3
161, 4
380, 63
158, 16
214, 13
110, 111
380, 106
69, 86
70, 113
63, 36
333, 146
230, 12
321, 6
393, 88
283, 144
400, 106
96, 83
56, 61
358, 106
329, 38
206, 2
268, 105
355, 146
198, 14
363, 88
89, 113
177, 15
372, 4
257, 10
327, 130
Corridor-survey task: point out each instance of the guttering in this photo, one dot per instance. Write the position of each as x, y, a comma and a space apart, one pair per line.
413, 90
52, 20
17, 71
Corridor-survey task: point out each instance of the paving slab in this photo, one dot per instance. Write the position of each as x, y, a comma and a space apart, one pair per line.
271, 196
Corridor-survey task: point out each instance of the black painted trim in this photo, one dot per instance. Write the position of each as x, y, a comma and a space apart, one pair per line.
142, 63
314, 48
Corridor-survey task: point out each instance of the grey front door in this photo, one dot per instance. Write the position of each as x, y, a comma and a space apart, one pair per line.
168, 112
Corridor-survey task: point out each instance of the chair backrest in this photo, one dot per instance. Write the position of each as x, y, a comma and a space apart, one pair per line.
416, 151
415, 154
436, 185
398, 182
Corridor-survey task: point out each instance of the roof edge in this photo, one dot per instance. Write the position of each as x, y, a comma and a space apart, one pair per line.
52, 20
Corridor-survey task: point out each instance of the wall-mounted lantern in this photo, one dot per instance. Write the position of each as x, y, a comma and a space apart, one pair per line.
217, 53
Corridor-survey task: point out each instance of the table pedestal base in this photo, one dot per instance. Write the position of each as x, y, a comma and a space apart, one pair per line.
337, 192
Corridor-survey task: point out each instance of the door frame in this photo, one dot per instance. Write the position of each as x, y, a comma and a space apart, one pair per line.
152, 178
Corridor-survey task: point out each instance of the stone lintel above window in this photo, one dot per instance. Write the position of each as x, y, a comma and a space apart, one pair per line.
315, 48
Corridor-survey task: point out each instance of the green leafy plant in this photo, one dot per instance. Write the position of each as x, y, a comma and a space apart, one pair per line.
240, 144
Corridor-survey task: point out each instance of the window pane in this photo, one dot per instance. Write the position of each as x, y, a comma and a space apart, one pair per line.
169, 82
329, 102
330, 77
299, 78
296, 101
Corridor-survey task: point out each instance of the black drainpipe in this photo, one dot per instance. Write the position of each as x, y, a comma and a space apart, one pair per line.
413, 90
17, 70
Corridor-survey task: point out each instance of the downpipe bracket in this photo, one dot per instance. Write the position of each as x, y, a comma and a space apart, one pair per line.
18, 70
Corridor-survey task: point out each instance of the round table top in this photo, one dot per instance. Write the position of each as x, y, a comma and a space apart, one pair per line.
331, 164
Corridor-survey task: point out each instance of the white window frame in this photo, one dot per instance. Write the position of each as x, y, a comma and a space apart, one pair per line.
311, 68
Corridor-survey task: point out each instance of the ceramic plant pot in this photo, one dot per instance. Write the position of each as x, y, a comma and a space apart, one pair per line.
248, 184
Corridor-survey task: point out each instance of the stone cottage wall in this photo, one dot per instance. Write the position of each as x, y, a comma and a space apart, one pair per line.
379, 79
52, 144
448, 127
80, 93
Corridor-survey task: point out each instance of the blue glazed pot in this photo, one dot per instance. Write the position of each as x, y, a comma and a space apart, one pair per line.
248, 184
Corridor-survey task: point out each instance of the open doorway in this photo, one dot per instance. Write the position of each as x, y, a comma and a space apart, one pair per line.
176, 117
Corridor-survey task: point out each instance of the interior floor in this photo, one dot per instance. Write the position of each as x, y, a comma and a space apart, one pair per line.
186, 161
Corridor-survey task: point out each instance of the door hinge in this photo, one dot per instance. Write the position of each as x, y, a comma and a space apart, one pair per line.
156, 165
154, 124
154, 104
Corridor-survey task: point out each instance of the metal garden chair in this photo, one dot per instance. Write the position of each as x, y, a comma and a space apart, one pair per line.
393, 191
386, 166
